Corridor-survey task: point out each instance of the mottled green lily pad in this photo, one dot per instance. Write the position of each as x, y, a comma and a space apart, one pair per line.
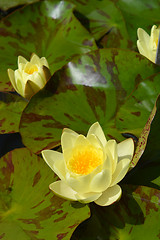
28, 209
92, 87
11, 107
139, 14
104, 19
4, 5
136, 215
48, 29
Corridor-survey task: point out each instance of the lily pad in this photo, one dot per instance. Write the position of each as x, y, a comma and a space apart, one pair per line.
4, 5
147, 170
28, 210
92, 87
47, 29
137, 213
11, 107
139, 14
104, 20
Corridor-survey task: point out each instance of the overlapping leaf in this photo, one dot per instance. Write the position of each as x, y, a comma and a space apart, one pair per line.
4, 5
139, 14
47, 28
137, 213
147, 170
11, 107
104, 17
93, 87
28, 210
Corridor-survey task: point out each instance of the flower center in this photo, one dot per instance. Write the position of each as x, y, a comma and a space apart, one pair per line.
31, 69
85, 159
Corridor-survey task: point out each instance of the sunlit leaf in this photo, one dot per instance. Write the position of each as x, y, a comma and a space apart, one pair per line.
136, 215
48, 29
28, 210
11, 107
93, 87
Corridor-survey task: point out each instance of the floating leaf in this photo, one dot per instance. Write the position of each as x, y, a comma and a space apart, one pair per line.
48, 29
93, 87
142, 141
105, 22
139, 14
28, 210
147, 170
11, 107
4, 5
137, 213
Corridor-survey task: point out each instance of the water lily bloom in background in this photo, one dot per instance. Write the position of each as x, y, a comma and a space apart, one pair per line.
89, 167
31, 76
147, 45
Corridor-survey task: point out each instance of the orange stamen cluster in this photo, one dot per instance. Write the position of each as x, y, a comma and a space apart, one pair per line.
31, 69
85, 159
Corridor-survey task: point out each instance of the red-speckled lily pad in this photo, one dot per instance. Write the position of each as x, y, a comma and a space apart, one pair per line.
135, 216
46, 28
28, 210
147, 170
11, 107
93, 87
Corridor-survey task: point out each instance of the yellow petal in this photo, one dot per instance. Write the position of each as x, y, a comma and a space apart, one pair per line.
125, 149
21, 60
44, 62
68, 140
81, 141
81, 184
147, 45
109, 196
101, 181
12, 78
87, 197
111, 147
30, 89
35, 60
61, 189
121, 170
94, 140
55, 161
20, 84
97, 130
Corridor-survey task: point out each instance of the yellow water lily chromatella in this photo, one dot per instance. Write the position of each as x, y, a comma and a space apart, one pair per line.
147, 45
31, 76
89, 167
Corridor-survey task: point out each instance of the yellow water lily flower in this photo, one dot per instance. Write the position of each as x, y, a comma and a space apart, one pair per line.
89, 167
147, 45
31, 76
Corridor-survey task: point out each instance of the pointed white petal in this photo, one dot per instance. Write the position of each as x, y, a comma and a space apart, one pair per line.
55, 161
12, 78
125, 149
68, 140
35, 60
101, 181
121, 170
21, 60
111, 148
97, 130
94, 140
62, 190
87, 197
81, 184
44, 62
109, 196
20, 82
